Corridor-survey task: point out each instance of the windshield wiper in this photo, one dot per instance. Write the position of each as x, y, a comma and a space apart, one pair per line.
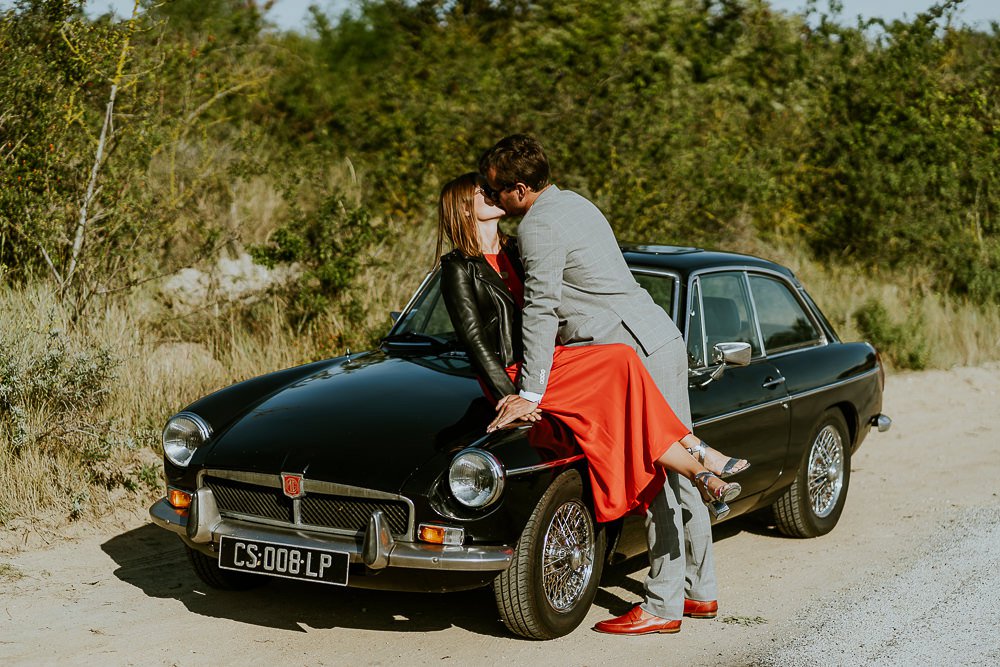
413, 339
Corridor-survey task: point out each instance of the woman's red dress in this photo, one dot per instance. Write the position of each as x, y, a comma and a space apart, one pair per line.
621, 421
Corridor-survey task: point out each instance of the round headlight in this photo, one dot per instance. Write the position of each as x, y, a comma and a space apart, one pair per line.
476, 478
184, 433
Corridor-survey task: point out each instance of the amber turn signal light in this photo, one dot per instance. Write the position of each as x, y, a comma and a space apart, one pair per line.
178, 499
441, 534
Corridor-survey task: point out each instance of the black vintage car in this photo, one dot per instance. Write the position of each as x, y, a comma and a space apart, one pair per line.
374, 470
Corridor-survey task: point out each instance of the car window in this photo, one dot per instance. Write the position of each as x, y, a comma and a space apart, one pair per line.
784, 323
428, 315
728, 315
660, 287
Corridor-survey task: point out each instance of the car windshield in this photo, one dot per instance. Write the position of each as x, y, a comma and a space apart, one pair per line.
428, 316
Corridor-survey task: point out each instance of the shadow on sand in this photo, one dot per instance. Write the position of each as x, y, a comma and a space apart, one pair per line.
628, 575
154, 561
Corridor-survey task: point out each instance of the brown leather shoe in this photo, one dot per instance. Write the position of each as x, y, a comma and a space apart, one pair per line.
701, 608
638, 622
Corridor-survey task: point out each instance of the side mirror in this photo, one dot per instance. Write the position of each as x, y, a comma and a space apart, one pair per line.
731, 354
394, 315
727, 354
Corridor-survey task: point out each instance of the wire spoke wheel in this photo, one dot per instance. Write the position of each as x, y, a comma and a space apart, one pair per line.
813, 503
553, 577
826, 471
567, 555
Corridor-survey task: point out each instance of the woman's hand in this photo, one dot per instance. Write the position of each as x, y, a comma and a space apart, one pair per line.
512, 408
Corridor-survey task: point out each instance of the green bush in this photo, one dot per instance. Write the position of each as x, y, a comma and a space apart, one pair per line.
62, 386
326, 245
903, 344
713, 122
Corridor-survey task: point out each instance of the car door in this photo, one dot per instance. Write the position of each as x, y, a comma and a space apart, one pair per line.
743, 412
794, 343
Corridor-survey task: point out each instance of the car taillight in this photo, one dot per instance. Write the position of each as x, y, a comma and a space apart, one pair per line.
881, 371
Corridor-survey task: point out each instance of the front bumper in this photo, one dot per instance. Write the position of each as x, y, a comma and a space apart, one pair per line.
202, 526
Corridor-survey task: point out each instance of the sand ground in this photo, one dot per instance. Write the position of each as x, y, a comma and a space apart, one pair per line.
911, 575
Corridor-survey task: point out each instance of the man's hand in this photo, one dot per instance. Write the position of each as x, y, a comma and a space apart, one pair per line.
512, 408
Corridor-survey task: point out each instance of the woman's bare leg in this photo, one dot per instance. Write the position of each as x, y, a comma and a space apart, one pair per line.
677, 459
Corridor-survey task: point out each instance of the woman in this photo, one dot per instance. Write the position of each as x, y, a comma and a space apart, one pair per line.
603, 393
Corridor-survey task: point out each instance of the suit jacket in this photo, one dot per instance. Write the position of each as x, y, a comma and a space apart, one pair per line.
485, 315
577, 285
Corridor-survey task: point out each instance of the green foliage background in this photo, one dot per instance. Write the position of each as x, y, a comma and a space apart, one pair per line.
864, 154
689, 121
709, 122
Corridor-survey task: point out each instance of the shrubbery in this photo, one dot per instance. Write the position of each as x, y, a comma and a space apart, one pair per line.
690, 121
902, 343
52, 401
713, 122
326, 242
130, 150
64, 388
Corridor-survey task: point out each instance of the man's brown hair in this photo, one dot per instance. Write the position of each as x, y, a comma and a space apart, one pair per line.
518, 158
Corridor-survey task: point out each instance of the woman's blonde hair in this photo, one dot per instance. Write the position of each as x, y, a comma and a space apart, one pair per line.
457, 216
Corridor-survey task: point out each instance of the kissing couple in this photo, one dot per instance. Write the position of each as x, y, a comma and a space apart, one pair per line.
554, 322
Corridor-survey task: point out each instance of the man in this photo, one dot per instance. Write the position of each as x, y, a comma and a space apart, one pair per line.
579, 288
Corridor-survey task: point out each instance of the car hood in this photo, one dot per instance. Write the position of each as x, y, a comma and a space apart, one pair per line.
369, 422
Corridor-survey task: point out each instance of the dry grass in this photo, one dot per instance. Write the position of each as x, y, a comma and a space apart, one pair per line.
9, 573
83, 461
957, 333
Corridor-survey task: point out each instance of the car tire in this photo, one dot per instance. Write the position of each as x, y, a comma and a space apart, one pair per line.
561, 533
208, 570
827, 463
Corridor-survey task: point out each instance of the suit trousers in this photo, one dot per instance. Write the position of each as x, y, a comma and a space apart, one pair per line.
676, 570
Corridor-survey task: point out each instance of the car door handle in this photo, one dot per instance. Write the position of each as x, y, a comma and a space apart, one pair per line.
771, 384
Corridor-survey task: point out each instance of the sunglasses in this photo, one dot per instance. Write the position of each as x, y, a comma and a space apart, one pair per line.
490, 193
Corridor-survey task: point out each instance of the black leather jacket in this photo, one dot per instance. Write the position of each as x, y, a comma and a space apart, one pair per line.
485, 315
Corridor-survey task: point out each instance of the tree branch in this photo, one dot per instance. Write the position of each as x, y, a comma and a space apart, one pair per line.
52, 267
81, 226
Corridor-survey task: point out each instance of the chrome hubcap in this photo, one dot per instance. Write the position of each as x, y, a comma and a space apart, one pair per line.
567, 555
826, 471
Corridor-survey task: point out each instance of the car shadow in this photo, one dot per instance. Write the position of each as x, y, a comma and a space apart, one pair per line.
154, 561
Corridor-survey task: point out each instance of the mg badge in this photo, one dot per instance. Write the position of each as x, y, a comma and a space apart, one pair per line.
291, 484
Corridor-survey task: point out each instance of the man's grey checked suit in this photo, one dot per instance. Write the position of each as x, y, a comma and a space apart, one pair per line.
579, 288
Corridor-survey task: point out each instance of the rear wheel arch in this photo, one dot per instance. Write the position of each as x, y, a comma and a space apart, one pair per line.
812, 505
851, 417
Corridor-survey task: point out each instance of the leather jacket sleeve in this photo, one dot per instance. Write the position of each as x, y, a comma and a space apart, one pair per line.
458, 290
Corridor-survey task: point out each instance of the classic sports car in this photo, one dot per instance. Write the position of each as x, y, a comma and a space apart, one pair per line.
374, 469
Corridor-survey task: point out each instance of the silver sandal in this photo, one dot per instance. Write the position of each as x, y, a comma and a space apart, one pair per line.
698, 452
716, 501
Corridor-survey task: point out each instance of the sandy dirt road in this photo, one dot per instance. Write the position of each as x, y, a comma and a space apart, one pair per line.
911, 575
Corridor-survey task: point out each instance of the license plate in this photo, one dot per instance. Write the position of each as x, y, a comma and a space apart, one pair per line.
281, 560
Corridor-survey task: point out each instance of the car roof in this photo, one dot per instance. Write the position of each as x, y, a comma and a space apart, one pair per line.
688, 260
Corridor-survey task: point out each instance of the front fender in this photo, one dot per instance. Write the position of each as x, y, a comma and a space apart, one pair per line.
532, 458
224, 407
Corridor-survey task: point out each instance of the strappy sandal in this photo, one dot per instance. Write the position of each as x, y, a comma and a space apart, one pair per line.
716, 500
728, 470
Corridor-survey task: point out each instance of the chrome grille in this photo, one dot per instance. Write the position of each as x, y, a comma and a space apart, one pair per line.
250, 499
323, 510
353, 513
